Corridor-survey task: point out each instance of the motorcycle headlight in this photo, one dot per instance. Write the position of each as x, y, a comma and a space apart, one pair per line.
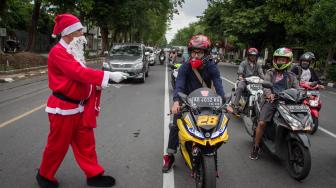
313, 103
138, 65
194, 132
106, 65
294, 123
219, 132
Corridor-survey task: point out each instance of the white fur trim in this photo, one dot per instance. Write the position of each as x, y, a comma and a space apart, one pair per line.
80, 109
72, 28
105, 79
64, 44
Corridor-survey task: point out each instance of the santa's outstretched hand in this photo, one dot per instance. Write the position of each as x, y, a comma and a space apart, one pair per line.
118, 76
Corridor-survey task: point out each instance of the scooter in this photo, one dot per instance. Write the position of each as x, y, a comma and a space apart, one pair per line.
215, 57
313, 102
162, 58
286, 136
202, 131
174, 72
247, 101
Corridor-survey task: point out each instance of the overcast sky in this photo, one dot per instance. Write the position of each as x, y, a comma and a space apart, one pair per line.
187, 14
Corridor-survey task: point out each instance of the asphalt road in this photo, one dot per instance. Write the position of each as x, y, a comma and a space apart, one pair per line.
130, 140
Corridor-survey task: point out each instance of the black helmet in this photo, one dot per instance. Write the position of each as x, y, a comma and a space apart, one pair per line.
308, 56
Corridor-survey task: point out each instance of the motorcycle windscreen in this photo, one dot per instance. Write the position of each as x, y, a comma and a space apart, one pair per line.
205, 98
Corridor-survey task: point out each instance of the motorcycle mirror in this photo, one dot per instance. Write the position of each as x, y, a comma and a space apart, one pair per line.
267, 84
105, 52
313, 84
182, 96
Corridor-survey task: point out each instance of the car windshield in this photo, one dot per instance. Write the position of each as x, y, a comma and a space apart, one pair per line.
125, 50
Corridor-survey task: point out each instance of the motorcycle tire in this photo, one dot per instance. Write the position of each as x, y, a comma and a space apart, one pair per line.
299, 167
173, 82
207, 173
316, 124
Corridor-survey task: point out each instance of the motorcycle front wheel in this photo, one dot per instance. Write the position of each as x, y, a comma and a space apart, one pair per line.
207, 173
316, 124
300, 163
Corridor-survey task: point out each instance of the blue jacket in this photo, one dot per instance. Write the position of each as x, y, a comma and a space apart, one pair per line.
187, 81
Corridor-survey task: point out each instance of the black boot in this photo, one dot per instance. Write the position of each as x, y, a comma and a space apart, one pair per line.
101, 181
44, 182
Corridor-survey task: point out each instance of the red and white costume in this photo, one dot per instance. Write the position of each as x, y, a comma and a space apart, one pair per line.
70, 123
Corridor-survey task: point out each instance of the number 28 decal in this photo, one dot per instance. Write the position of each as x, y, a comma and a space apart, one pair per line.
207, 120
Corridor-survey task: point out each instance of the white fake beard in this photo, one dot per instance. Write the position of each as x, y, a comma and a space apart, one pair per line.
76, 48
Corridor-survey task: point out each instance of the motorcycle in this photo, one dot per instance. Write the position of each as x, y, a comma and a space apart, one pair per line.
215, 57
286, 136
313, 102
247, 101
202, 131
162, 58
174, 72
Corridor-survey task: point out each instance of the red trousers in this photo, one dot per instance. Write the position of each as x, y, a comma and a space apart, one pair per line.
65, 131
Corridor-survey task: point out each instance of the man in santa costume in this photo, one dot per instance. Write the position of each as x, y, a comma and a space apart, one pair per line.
73, 106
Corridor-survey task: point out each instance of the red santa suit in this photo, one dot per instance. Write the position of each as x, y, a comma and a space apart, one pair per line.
72, 122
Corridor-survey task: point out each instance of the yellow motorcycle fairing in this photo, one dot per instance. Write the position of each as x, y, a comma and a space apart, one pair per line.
186, 136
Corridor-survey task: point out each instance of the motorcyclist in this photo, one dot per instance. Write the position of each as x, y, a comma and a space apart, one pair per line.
187, 81
162, 54
281, 80
304, 72
173, 56
247, 68
180, 58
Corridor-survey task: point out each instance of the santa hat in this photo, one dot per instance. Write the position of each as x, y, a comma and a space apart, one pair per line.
66, 24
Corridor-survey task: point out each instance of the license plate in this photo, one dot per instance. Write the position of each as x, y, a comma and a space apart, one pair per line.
298, 108
206, 101
207, 120
256, 86
317, 93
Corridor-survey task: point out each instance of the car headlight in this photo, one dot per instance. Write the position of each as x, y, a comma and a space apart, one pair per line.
106, 65
138, 65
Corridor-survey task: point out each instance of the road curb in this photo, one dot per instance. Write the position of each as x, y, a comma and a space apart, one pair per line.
11, 76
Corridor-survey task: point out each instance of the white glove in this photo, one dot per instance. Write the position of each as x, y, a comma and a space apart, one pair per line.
118, 76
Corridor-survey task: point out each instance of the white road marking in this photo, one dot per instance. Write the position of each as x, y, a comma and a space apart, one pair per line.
223, 78
327, 132
21, 116
117, 85
168, 178
320, 128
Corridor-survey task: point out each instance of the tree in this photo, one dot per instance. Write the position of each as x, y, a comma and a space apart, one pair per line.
33, 26
321, 27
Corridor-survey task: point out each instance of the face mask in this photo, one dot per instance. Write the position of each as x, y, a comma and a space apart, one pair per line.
195, 63
76, 48
305, 65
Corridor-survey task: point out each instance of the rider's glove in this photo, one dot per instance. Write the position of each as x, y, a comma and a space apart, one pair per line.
118, 76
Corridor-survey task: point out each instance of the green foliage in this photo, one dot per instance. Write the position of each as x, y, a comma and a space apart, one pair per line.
17, 15
183, 36
331, 72
321, 26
